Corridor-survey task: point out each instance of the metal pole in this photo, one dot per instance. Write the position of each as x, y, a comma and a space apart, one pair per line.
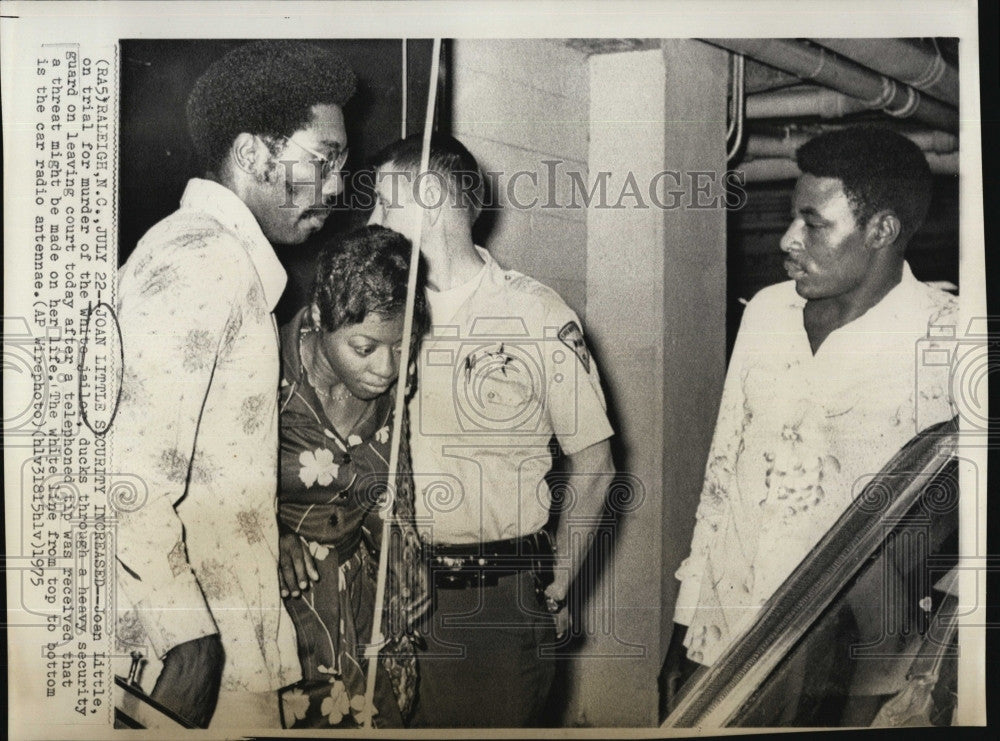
377, 640
403, 89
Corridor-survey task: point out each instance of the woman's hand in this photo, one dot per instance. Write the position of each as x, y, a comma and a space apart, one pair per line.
296, 567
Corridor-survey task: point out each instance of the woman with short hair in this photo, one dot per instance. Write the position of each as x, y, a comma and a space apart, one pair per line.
340, 362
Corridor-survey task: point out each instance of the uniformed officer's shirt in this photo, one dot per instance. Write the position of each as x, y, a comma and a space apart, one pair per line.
501, 375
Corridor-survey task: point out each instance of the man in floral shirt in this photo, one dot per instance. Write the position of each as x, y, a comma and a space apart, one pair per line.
823, 386
197, 424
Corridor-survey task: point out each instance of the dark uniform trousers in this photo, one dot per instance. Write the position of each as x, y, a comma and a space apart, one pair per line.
483, 664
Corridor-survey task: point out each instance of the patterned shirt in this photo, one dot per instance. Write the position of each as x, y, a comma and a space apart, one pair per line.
197, 429
797, 438
496, 380
329, 494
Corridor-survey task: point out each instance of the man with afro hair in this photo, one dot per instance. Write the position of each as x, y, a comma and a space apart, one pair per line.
267, 122
197, 423
823, 388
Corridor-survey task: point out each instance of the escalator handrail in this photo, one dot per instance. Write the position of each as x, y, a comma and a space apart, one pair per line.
713, 695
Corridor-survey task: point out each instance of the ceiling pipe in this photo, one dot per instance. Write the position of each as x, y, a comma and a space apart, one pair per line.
917, 62
739, 104
817, 64
769, 169
802, 101
758, 146
940, 142
733, 95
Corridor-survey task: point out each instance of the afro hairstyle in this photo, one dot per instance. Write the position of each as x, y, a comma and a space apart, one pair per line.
267, 88
880, 170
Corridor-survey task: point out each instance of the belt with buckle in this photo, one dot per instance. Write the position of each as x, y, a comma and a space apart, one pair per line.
483, 564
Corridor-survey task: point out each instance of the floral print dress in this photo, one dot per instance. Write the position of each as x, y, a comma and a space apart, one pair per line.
329, 495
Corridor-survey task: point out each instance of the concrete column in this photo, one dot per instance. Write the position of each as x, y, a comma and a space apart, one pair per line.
694, 281
656, 267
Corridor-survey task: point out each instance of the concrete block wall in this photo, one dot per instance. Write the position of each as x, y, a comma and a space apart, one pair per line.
516, 104
525, 110
649, 284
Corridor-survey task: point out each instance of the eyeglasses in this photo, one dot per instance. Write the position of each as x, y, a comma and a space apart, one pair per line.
330, 166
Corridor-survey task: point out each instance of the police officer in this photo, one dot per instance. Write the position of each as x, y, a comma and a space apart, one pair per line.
503, 370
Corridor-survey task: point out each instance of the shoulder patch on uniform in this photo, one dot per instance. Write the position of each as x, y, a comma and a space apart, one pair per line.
572, 337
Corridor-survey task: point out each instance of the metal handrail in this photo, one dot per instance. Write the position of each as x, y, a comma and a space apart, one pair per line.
714, 696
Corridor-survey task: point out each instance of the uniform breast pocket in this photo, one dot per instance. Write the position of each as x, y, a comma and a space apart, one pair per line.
506, 392
499, 401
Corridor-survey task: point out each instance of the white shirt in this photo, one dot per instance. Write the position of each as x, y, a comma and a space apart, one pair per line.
495, 382
797, 438
443, 305
197, 430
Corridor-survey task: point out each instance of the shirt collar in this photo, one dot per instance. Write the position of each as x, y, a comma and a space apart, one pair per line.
496, 274
291, 345
895, 307
890, 317
455, 297
222, 204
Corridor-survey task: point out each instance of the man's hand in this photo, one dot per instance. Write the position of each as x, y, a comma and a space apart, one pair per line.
296, 567
677, 668
556, 594
563, 622
189, 682
589, 472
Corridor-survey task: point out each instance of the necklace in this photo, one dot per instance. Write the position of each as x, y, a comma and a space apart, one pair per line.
335, 402
335, 397
339, 402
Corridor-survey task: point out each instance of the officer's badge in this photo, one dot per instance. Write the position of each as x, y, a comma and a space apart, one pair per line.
500, 390
572, 337
497, 361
